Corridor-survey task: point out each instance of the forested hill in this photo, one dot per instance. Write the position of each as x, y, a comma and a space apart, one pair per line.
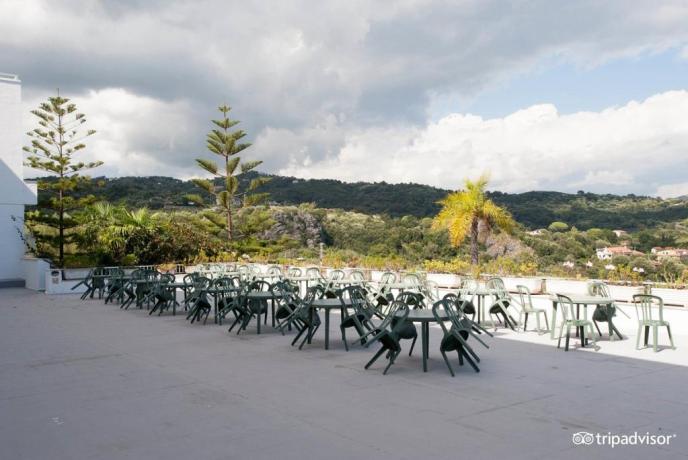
532, 209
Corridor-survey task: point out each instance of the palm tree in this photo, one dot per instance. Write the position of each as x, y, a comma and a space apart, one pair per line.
463, 212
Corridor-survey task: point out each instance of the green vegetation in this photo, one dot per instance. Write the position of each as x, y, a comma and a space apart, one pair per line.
464, 211
54, 143
156, 220
532, 209
224, 143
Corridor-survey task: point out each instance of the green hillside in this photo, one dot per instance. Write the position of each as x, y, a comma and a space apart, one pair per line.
532, 209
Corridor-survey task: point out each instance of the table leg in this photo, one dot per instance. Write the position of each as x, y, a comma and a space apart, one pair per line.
480, 310
310, 323
327, 328
577, 317
425, 332
272, 303
258, 318
554, 319
215, 307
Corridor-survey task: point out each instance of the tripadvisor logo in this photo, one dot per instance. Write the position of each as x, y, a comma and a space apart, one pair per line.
583, 438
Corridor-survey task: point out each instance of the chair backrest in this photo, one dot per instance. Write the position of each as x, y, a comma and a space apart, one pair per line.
598, 288
646, 304
336, 275
254, 269
259, 285
294, 272
280, 287
274, 270
314, 292
243, 269
432, 290
411, 279
497, 288
357, 297
446, 305
356, 275
167, 278
396, 317
524, 298
388, 277
468, 284
223, 283
566, 305
314, 273
414, 300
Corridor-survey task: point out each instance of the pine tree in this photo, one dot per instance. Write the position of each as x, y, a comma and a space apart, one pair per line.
225, 143
54, 144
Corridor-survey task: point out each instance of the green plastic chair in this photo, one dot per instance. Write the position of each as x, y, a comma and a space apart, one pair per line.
569, 320
388, 278
500, 303
645, 305
456, 334
294, 272
527, 309
388, 334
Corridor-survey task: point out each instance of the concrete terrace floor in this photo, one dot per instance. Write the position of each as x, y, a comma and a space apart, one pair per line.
83, 380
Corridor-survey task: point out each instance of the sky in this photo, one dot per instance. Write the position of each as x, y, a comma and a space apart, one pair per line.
539, 94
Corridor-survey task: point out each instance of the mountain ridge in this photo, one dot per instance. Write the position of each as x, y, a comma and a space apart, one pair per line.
533, 209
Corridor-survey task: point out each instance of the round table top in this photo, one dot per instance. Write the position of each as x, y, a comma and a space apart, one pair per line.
330, 303
425, 316
262, 295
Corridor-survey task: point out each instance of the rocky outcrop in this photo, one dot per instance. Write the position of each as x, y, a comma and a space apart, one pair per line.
296, 223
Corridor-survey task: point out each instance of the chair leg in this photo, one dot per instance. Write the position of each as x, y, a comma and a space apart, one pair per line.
525, 322
377, 355
546, 321
444, 355
637, 339
671, 339
647, 334
654, 337
470, 361
299, 335
413, 344
346, 344
391, 361
568, 336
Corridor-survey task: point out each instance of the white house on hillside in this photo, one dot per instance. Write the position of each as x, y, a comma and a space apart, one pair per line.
613, 251
14, 192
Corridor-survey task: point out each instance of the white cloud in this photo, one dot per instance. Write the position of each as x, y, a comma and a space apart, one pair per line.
533, 148
673, 190
344, 88
135, 135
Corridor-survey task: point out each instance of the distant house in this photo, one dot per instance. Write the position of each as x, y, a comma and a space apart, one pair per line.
613, 251
620, 233
666, 253
537, 232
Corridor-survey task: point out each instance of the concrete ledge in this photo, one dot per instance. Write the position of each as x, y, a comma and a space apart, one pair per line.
11, 283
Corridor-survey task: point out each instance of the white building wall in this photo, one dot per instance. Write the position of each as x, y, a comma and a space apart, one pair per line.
14, 192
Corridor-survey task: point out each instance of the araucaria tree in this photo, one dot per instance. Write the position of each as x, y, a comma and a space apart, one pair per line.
226, 143
54, 144
463, 211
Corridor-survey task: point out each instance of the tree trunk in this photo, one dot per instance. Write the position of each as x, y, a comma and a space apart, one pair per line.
474, 241
61, 230
230, 235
